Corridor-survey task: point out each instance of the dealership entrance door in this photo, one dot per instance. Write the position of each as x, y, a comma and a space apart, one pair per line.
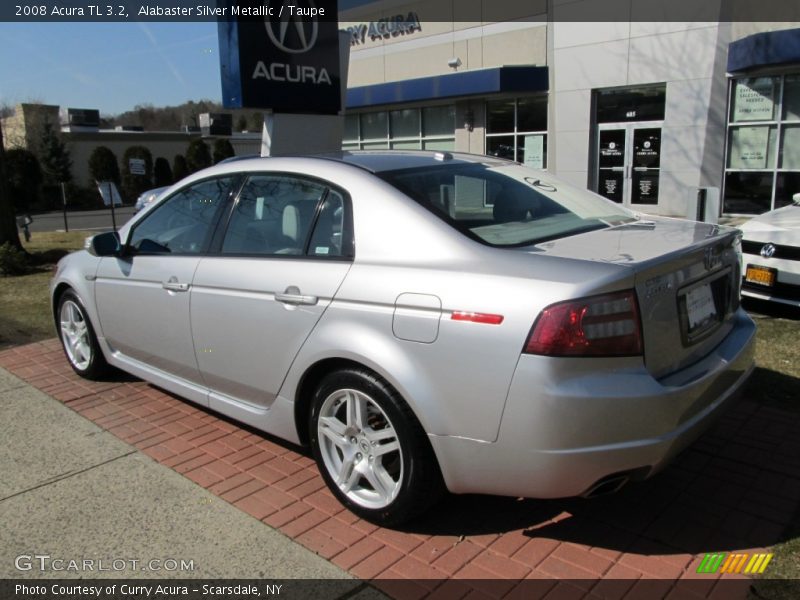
626, 158
629, 162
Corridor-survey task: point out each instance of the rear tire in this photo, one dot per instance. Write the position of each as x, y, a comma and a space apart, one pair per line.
371, 450
78, 338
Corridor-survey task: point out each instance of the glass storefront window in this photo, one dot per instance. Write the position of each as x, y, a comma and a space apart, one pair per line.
438, 121
415, 145
442, 145
791, 98
752, 147
748, 192
532, 114
373, 125
534, 150
786, 186
404, 123
375, 145
763, 151
500, 116
431, 127
350, 127
517, 130
645, 103
790, 148
753, 99
502, 146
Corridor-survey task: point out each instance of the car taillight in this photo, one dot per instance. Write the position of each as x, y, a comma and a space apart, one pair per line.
607, 325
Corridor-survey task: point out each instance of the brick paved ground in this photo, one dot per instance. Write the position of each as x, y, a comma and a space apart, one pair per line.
735, 489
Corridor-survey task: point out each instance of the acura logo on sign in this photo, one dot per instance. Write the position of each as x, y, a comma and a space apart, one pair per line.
286, 59
768, 250
293, 32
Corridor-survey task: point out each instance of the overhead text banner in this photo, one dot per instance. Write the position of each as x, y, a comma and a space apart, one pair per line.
430, 11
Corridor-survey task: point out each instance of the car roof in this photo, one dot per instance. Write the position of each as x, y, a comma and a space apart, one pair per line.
377, 161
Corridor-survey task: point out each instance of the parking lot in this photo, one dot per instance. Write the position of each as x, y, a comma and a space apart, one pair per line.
735, 490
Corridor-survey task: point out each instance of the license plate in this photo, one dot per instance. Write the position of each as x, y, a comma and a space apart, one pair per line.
760, 275
700, 308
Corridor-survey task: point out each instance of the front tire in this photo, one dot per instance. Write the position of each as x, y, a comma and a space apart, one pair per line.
78, 338
371, 450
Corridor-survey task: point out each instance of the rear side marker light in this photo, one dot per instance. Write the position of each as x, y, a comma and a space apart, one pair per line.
477, 317
606, 325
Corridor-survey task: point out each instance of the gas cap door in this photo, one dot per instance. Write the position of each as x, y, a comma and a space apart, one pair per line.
416, 317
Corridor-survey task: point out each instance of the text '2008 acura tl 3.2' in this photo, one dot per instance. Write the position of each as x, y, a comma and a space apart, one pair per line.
424, 321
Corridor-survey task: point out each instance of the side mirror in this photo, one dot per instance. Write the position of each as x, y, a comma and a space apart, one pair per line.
105, 244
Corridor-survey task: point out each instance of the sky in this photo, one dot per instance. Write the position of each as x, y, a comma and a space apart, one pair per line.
111, 67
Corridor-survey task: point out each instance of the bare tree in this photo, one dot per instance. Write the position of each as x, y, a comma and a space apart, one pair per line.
8, 225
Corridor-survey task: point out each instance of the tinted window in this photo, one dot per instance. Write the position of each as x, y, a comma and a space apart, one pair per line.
506, 206
273, 216
329, 237
184, 222
644, 103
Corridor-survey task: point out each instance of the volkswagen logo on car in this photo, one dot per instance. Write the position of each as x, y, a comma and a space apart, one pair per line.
287, 59
768, 250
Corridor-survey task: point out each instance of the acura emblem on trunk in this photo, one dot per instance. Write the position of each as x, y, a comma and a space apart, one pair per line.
711, 258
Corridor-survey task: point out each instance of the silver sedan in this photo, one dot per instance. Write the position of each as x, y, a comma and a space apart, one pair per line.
424, 321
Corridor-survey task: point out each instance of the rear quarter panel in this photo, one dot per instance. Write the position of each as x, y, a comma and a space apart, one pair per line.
458, 383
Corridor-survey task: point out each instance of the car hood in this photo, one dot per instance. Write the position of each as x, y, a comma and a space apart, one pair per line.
780, 226
634, 243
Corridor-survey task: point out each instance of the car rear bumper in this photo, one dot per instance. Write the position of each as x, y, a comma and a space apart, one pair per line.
570, 424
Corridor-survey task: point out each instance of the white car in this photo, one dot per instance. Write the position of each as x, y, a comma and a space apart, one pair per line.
771, 255
147, 198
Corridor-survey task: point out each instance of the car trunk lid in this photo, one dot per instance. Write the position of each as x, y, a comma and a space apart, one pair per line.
686, 280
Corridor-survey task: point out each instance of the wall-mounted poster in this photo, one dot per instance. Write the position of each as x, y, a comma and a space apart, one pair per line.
645, 187
612, 148
647, 148
749, 147
534, 151
753, 99
610, 184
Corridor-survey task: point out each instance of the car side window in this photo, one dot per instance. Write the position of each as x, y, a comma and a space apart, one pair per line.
328, 237
273, 216
183, 223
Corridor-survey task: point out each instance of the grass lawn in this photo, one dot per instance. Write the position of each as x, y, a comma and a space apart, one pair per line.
25, 317
24, 304
776, 382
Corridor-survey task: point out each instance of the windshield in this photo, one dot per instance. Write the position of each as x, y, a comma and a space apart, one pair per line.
508, 205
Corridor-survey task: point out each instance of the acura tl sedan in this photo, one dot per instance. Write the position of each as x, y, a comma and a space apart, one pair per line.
424, 321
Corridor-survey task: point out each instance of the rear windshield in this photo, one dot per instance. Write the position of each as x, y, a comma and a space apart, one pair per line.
508, 205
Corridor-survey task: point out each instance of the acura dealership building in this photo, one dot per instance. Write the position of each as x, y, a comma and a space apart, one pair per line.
684, 108
657, 115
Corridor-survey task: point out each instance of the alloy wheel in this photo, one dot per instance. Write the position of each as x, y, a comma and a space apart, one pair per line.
75, 335
360, 448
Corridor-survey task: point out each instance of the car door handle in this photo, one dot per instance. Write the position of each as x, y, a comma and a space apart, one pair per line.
173, 285
292, 295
